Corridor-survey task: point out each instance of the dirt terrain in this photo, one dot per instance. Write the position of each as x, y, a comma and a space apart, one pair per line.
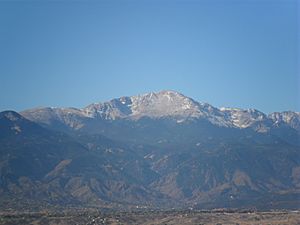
153, 218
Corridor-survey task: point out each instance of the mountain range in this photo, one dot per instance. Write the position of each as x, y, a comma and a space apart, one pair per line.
154, 150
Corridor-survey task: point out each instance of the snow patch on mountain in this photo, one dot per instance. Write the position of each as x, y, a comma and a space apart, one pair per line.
243, 118
287, 117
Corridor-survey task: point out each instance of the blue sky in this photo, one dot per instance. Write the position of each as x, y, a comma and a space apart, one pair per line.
240, 53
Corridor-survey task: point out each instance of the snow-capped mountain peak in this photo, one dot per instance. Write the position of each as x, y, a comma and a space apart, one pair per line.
154, 105
164, 104
287, 117
243, 118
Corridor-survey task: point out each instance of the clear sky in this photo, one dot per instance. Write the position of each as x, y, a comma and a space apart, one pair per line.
238, 53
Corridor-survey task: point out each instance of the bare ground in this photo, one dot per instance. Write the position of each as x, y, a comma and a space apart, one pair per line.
152, 218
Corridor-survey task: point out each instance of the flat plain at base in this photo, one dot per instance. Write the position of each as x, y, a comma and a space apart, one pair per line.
153, 218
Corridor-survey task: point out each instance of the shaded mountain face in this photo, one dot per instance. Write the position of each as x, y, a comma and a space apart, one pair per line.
39, 166
161, 149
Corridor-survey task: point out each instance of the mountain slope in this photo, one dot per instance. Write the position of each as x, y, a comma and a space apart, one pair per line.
158, 149
38, 165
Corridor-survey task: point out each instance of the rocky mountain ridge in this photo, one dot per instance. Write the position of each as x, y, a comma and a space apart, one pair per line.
165, 104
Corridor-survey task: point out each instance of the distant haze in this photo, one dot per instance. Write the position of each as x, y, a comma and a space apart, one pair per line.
227, 53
